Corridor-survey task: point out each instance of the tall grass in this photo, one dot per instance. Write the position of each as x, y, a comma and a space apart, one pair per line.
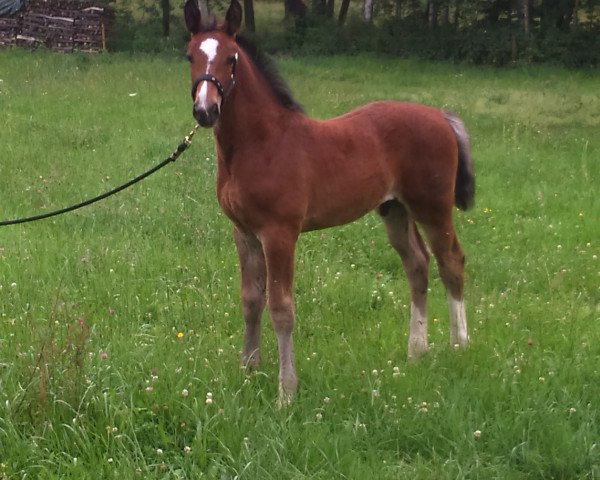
120, 323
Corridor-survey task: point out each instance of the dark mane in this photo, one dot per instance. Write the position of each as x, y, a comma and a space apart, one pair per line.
266, 66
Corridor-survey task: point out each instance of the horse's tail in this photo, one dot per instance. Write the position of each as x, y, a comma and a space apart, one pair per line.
464, 188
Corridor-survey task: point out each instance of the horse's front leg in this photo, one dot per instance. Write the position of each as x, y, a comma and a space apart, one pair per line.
278, 246
253, 283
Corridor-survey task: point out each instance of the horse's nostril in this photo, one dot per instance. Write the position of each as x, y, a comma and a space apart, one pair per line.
206, 117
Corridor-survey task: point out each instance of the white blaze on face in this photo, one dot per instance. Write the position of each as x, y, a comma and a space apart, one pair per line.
209, 48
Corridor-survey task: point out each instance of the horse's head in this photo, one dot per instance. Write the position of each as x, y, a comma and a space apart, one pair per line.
213, 54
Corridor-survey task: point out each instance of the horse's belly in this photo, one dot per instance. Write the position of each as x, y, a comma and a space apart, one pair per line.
338, 205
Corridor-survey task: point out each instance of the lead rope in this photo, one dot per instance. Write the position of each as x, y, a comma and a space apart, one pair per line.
182, 147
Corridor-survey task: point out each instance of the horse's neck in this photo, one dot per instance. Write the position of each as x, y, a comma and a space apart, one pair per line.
250, 114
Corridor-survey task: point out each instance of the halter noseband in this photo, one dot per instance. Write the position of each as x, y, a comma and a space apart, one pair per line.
215, 81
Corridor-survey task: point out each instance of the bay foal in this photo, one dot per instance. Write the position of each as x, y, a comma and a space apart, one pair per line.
281, 173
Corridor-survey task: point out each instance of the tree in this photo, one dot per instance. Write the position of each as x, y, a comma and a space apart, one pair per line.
343, 11
368, 11
249, 15
166, 16
294, 9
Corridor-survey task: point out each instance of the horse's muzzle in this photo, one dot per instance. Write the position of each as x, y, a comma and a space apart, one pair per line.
206, 117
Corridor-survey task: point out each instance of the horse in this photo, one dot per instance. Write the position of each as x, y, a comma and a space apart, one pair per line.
281, 173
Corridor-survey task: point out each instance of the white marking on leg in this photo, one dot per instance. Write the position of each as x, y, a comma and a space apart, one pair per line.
458, 322
417, 336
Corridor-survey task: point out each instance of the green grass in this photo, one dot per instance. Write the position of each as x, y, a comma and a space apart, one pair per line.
93, 373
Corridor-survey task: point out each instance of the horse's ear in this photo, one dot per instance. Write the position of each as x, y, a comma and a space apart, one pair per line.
233, 18
193, 17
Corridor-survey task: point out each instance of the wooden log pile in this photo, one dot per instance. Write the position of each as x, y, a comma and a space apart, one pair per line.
61, 25
9, 28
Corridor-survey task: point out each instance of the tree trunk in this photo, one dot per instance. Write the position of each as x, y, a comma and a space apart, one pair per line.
368, 11
294, 8
446, 13
203, 9
526, 16
456, 13
330, 8
249, 15
431, 14
166, 16
343, 11
319, 7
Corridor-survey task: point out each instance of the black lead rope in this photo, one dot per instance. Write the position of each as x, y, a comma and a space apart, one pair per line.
171, 158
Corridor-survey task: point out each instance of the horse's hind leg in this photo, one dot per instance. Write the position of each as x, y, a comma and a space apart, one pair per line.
451, 263
404, 237
253, 283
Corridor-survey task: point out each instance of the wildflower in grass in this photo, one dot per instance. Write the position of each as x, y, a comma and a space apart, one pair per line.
395, 372
375, 373
209, 398
179, 335
186, 449
110, 460
375, 393
572, 410
319, 416
149, 388
159, 451
184, 392
423, 407
477, 433
326, 400
103, 355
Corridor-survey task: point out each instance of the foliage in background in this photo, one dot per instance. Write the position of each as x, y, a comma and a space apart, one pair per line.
497, 32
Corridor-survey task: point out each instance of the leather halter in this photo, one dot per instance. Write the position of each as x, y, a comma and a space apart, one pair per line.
215, 81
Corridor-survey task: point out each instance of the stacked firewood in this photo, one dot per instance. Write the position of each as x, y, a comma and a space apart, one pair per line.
61, 25
9, 28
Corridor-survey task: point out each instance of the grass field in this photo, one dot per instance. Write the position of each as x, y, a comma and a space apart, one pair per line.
120, 323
